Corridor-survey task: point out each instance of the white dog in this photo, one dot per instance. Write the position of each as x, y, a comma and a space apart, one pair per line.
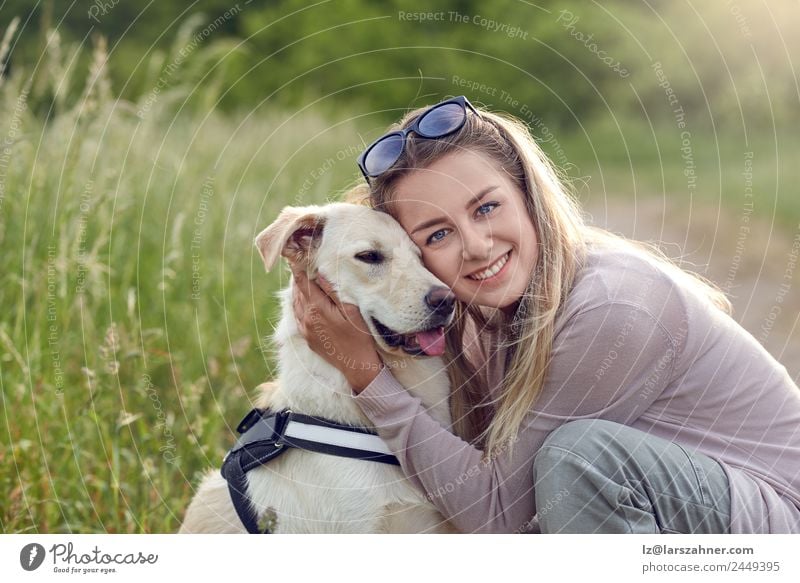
372, 263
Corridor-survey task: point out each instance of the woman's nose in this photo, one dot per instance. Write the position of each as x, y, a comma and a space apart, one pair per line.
476, 243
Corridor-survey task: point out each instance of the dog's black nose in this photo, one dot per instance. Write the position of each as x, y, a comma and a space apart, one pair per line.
441, 300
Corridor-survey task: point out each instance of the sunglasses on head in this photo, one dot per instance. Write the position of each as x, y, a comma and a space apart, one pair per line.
437, 121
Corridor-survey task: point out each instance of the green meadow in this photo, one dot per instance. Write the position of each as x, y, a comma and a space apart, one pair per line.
136, 312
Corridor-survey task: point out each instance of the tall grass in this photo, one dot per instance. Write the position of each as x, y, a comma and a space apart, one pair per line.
134, 311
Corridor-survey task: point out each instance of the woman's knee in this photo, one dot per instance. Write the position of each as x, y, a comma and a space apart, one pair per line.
585, 437
575, 456
596, 465
566, 479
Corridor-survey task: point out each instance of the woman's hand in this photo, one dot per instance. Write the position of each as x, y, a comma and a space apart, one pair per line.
335, 331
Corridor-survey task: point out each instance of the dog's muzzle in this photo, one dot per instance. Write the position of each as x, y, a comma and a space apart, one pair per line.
429, 338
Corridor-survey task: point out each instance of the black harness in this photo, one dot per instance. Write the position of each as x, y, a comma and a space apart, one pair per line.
265, 434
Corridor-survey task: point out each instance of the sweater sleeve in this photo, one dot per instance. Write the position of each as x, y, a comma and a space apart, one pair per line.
610, 361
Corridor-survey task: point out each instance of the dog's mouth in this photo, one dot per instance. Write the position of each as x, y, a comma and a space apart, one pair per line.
425, 342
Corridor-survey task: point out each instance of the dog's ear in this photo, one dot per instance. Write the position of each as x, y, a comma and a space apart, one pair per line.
294, 234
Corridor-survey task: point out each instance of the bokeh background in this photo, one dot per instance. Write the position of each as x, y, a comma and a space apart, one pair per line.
143, 145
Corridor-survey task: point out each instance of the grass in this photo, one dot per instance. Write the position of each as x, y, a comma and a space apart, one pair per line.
135, 312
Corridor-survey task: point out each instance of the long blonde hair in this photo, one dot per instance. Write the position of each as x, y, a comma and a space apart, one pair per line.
564, 240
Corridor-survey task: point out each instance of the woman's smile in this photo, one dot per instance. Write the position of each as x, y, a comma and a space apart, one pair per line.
494, 272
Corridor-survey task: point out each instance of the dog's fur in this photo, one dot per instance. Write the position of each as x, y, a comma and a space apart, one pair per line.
310, 492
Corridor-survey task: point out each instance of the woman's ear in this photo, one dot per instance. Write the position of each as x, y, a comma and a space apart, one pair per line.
295, 234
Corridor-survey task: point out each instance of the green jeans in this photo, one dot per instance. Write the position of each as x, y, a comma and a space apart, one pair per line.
597, 476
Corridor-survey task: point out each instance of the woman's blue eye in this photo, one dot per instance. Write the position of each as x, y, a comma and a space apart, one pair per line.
482, 210
435, 238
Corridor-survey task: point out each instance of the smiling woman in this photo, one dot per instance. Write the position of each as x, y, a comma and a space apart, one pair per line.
595, 386
483, 246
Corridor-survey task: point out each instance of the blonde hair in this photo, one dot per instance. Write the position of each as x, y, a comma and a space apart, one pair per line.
564, 240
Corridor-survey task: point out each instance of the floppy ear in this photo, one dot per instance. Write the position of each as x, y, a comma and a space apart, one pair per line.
294, 235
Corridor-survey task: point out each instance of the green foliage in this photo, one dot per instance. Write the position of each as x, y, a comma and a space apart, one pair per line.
567, 62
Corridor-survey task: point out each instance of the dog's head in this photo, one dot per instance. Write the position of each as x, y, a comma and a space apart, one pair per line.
370, 262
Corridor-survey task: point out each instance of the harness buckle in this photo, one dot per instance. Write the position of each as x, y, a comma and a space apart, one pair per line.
248, 420
263, 427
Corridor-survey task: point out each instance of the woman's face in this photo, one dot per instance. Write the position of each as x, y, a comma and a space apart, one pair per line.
470, 221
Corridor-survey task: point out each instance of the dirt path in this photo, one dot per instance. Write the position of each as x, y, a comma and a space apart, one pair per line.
753, 261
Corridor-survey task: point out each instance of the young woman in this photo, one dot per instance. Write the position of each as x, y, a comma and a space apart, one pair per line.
596, 386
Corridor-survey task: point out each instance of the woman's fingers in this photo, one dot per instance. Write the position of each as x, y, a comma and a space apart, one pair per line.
311, 300
298, 306
317, 308
300, 301
349, 312
300, 280
327, 288
318, 298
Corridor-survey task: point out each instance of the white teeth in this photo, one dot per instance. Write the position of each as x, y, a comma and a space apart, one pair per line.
492, 270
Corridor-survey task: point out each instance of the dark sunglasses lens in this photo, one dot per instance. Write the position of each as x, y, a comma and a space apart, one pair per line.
384, 154
442, 120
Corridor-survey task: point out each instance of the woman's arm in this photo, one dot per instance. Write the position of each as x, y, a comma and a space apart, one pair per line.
498, 495
476, 495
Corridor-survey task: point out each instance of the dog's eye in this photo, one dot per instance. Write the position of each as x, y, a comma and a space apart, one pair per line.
370, 257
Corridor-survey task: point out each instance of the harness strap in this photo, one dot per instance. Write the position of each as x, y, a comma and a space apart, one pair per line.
264, 435
237, 488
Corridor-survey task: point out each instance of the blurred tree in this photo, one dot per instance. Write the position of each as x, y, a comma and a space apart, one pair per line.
559, 62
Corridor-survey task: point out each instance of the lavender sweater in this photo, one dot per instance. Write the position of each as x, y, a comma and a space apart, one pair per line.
632, 345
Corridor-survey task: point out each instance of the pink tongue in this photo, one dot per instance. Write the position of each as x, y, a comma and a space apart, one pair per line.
432, 341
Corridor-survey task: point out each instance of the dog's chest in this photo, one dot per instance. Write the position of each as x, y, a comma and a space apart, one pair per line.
316, 493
